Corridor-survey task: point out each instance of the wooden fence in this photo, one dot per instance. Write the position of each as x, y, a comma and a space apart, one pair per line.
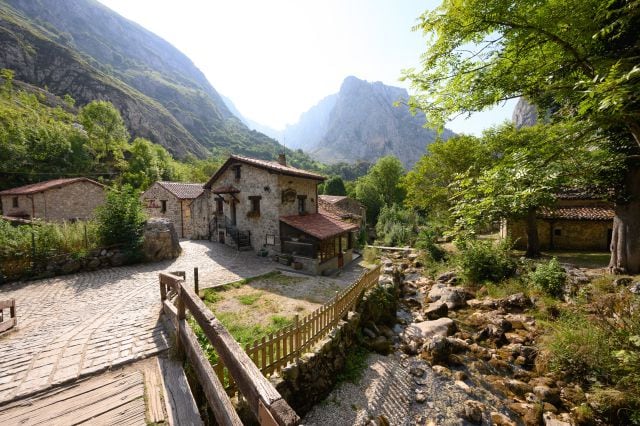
273, 353
264, 400
6, 324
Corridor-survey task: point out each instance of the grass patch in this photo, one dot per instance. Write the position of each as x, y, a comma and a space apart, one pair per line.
245, 281
249, 299
354, 365
371, 255
581, 259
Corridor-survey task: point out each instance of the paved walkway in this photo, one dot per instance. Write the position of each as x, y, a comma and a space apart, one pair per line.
81, 324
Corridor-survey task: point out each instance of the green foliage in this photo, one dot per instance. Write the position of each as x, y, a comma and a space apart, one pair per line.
121, 219
427, 241
380, 186
486, 261
334, 186
371, 255
549, 277
397, 226
428, 184
354, 365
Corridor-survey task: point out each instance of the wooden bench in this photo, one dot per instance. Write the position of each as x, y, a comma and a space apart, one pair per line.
6, 324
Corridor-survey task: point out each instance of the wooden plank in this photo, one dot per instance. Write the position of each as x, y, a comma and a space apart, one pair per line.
7, 324
8, 303
250, 381
218, 399
153, 391
179, 403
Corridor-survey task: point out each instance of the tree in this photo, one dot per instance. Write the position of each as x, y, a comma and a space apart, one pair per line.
428, 184
380, 186
121, 220
574, 58
334, 186
108, 135
530, 166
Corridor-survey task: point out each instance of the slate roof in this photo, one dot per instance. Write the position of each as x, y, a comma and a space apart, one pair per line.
318, 225
46, 185
328, 208
184, 191
273, 166
577, 213
332, 198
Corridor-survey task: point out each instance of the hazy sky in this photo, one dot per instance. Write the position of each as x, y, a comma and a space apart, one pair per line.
275, 59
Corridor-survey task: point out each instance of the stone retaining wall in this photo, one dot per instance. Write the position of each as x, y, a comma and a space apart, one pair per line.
308, 381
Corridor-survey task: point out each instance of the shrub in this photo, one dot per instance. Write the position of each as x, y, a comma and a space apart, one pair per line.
549, 277
427, 241
483, 260
371, 255
121, 219
397, 226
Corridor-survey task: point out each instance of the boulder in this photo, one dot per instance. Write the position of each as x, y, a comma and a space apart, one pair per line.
454, 297
71, 266
635, 287
436, 310
422, 331
516, 301
160, 240
438, 349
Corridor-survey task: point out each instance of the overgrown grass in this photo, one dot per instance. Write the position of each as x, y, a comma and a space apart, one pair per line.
371, 255
249, 299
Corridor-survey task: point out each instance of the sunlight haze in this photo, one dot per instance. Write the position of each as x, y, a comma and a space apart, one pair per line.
275, 60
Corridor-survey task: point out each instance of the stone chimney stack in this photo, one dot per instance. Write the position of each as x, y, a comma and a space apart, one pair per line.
282, 159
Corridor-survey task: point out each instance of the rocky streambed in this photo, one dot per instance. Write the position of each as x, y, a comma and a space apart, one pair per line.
452, 358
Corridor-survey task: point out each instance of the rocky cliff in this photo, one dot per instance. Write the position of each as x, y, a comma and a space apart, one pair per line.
360, 122
81, 48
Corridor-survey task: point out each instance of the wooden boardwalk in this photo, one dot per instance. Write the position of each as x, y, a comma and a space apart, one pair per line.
133, 395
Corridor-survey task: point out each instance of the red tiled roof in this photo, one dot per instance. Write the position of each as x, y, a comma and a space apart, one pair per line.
184, 191
46, 185
577, 213
264, 164
227, 189
318, 225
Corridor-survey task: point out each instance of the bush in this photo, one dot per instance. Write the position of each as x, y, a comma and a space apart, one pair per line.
397, 226
427, 241
121, 219
483, 260
549, 277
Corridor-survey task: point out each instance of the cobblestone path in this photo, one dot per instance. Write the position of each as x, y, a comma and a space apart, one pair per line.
80, 324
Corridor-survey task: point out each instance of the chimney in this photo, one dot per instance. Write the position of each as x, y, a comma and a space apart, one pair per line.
282, 159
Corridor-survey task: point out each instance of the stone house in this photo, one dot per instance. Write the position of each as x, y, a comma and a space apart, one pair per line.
578, 221
172, 200
273, 208
54, 200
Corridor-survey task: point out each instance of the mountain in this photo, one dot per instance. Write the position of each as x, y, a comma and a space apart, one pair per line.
360, 122
82, 48
253, 125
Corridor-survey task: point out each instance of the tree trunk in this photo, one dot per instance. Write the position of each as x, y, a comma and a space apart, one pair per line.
625, 241
533, 242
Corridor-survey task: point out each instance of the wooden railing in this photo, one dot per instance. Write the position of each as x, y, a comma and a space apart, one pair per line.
273, 353
263, 399
6, 324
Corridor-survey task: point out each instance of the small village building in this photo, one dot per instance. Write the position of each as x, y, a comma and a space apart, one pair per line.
578, 221
172, 200
272, 208
344, 207
54, 200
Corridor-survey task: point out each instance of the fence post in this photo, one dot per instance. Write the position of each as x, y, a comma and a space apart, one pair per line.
196, 285
181, 317
297, 337
163, 290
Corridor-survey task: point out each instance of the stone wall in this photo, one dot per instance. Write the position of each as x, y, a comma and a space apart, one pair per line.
77, 200
309, 380
565, 234
152, 202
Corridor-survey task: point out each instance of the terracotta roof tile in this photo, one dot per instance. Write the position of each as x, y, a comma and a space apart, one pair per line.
327, 208
264, 164
577, 213
318, 225
46, 185
184, 191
